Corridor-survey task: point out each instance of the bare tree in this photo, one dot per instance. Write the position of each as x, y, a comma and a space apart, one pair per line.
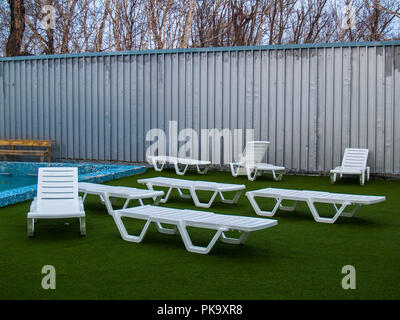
376, 19
67, 11
17, 27
37, 39
187, 25
391, 7
128, 24
309, 21
4, 24
100, 30
247, 21
170, 22
211, 23
163, 29
278, 20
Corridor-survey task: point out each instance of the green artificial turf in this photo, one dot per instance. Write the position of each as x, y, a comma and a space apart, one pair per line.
297, 259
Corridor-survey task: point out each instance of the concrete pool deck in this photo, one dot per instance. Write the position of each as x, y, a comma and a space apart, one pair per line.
88, 172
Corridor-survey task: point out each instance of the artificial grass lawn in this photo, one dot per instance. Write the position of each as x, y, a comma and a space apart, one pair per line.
298, 259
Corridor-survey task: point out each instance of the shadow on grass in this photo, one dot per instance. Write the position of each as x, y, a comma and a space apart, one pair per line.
349, 180
200, 237
305, 216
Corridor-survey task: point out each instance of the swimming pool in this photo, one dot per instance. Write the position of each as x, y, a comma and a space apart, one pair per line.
18, 179
8, 182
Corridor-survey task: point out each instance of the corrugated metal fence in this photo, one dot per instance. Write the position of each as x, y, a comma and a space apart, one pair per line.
309, 101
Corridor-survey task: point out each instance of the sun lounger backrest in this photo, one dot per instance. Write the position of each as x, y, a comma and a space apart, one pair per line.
254, 151
355, 158
58, 187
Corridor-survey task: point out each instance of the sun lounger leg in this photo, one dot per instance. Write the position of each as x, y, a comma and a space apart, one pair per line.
126, 203
82, 224
352, 213
157, 200
102, 199
197, 202
124, 234
204, 171
368, 173
249, 176
333, 178
154, 162
110, 199
362, 178
178, 172
287, 208
31, 227
107, 202
234, 172
160, 199
165, 199
182, 195
318, 218
84, 196
277, 177
164, 230
197, 249
260, 212
234, 200
243, 237
129, 200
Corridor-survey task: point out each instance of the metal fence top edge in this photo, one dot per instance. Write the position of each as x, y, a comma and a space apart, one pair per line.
209, 49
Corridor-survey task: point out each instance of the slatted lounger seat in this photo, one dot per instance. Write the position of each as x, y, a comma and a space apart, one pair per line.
181, 219
338, 200
108, 193
57, 198
155, 160
250, 162
354, 163
194, 186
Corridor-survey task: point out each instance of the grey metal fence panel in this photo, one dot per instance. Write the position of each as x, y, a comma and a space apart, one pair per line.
309, 101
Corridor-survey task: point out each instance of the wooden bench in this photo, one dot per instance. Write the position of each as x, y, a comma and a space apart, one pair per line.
13, 143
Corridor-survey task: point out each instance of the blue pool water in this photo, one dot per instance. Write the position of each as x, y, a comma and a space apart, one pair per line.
18, 180
8, 182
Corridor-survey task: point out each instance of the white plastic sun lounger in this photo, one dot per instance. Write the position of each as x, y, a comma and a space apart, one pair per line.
194, 186
154, 160
250, 162
57, 197
181, 219
354, 163
339, 201
109, 193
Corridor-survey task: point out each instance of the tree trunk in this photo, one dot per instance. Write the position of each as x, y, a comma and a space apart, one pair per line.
17, 27
188, 25
50, 36
68, 24
99, 36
